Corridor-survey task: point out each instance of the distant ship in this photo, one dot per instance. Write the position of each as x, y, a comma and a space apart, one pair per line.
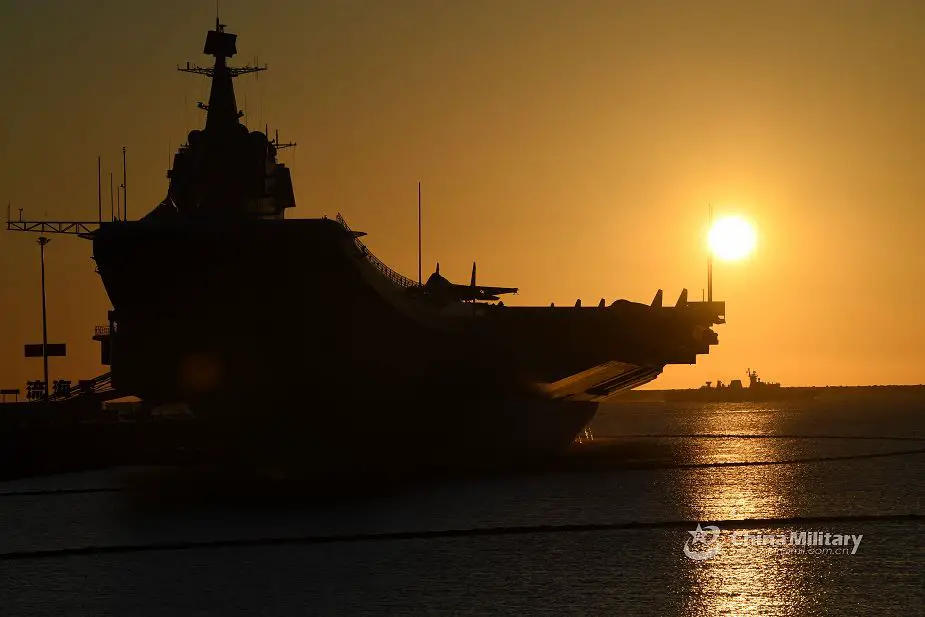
757, 390
291, 338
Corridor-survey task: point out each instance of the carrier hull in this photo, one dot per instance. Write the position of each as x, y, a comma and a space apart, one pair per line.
283, 325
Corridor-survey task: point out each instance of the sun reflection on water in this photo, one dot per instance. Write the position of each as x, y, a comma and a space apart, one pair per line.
742, 579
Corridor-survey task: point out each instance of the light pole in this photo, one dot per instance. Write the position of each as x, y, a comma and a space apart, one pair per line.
42, 242
710, 261
124, 188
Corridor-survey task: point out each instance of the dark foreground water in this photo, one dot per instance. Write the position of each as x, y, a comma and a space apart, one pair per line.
843, 466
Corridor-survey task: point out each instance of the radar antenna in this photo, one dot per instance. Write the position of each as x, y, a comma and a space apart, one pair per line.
209, 71
223, 113
281, 146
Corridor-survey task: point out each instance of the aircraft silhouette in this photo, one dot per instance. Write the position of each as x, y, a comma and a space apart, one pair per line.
440, 288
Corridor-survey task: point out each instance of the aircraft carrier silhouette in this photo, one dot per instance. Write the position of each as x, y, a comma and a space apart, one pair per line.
290, 338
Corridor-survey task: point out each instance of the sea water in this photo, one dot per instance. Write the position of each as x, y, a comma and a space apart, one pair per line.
620, 540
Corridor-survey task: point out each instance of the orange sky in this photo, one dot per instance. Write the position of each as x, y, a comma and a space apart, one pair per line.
571, 147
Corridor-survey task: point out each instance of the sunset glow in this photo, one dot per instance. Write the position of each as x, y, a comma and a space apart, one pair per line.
563, 173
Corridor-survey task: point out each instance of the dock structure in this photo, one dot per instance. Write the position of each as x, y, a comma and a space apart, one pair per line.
99, 388
74, 228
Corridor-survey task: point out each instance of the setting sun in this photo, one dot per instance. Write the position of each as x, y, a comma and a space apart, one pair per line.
731, 238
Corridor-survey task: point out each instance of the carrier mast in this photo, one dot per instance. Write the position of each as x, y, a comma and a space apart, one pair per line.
222, 111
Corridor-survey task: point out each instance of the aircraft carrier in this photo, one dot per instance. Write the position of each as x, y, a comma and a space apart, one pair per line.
289, 337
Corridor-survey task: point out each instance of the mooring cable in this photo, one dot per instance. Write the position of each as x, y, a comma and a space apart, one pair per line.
575, 465
451, 533
492, 531
794, 461
41, 492
759, 436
